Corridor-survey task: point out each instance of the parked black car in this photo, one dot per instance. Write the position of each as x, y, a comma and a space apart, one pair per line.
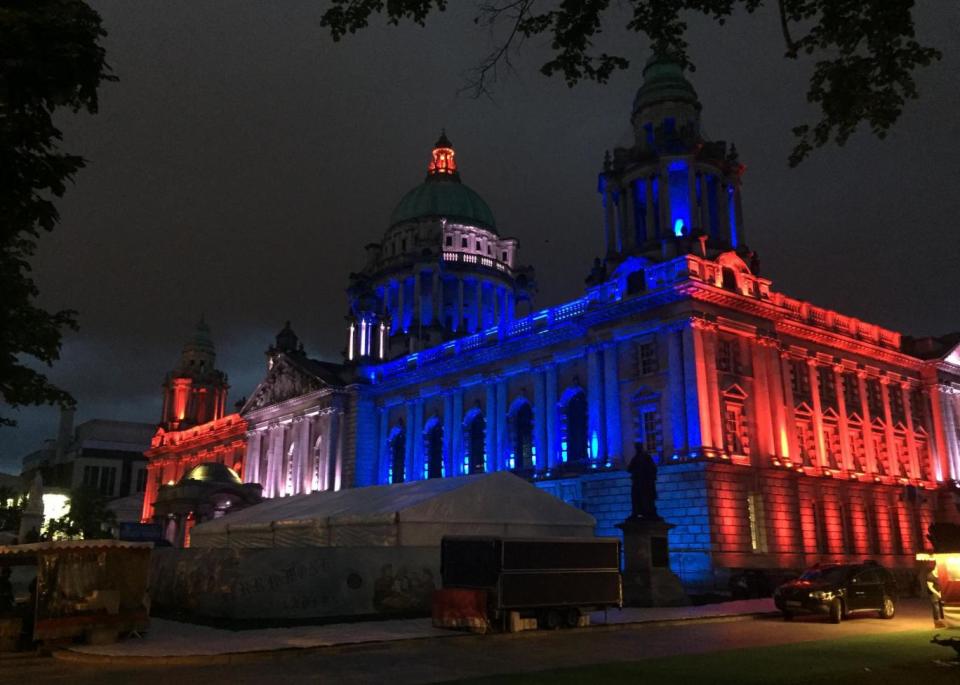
838, 590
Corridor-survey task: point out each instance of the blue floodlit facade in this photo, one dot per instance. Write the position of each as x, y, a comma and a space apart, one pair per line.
785, 433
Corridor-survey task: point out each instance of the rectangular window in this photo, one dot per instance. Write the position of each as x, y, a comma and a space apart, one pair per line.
652, 437
648, 358
504, 257
735, 431
108, 480
828, 387
463, 242
758, 523
897, 413
851, 393
918, 410
91, 476
806, 442
875, 399
449, 241
831, 442
800, 381
141, 480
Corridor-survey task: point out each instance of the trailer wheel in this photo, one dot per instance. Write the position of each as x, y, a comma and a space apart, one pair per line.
572, 617
550, 619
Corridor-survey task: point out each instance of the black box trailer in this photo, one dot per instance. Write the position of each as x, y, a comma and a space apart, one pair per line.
553, 580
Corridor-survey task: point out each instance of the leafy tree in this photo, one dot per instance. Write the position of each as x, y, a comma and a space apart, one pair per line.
51, 59
87, 519
865, 50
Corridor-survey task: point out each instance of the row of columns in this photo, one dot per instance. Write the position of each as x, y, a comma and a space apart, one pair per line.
775, 417
622, 225
603, 414
477, 303
296, 456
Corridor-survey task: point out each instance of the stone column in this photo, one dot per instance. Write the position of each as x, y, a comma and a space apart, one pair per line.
709, 337
700, 354
458, 433
895, 468
846, 457
302, 478
761, 398
790, 419
251, 462
501, 443
692, 198
449, 468
458, 319
336, 443
410, 431
682, 392
628, 235
608, 219
490, 437
651, 231
871, 456
539, 419
778, 401
595, 408
611, 389
551, 422
914, 460
417, 431
817, 412
384, 447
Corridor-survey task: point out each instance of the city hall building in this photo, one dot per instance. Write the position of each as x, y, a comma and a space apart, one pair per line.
785, 433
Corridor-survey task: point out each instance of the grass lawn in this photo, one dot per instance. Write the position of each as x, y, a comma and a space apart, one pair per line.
895, 659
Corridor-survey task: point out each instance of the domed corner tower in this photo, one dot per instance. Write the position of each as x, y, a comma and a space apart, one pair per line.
441, 271
195, 392
673, 192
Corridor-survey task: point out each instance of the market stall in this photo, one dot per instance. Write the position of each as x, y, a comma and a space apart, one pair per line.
95, 589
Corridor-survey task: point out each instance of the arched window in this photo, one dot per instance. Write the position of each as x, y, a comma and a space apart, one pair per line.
520, 428
475, 437
433, 449
397, 454
573, 435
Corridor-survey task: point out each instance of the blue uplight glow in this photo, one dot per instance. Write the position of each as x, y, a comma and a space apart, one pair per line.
678, 176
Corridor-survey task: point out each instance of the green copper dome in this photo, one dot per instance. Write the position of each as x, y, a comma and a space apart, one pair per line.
443, 197
663, 81
442, 194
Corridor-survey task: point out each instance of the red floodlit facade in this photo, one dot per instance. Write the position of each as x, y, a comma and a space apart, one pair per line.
194, 429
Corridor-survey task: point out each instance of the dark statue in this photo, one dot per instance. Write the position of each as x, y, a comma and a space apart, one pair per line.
643, 485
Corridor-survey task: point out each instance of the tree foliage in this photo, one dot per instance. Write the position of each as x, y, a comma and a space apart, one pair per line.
51, 59
87, 519
865, 51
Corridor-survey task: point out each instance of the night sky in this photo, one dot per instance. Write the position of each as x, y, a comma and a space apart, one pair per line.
243, 160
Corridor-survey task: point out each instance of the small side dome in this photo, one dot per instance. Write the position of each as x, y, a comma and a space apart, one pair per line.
443, 195
212, 472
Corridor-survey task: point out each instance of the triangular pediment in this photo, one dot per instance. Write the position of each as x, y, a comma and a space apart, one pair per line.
287, 379
735, 392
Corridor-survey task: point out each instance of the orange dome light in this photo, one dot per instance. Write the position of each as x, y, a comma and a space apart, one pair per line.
443, 158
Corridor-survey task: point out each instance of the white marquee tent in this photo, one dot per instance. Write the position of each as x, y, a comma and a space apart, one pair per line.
418, 513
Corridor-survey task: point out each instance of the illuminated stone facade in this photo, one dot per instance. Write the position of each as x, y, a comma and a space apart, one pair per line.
785, 433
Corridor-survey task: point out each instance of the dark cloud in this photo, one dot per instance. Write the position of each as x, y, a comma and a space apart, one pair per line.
243, 160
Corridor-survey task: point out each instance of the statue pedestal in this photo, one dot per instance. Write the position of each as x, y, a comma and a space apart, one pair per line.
647, 578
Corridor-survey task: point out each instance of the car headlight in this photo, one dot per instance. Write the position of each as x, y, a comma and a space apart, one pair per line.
822, 595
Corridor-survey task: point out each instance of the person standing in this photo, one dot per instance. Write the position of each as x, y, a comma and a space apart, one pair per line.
936, 601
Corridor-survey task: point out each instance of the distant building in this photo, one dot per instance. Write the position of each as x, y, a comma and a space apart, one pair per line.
102, 454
